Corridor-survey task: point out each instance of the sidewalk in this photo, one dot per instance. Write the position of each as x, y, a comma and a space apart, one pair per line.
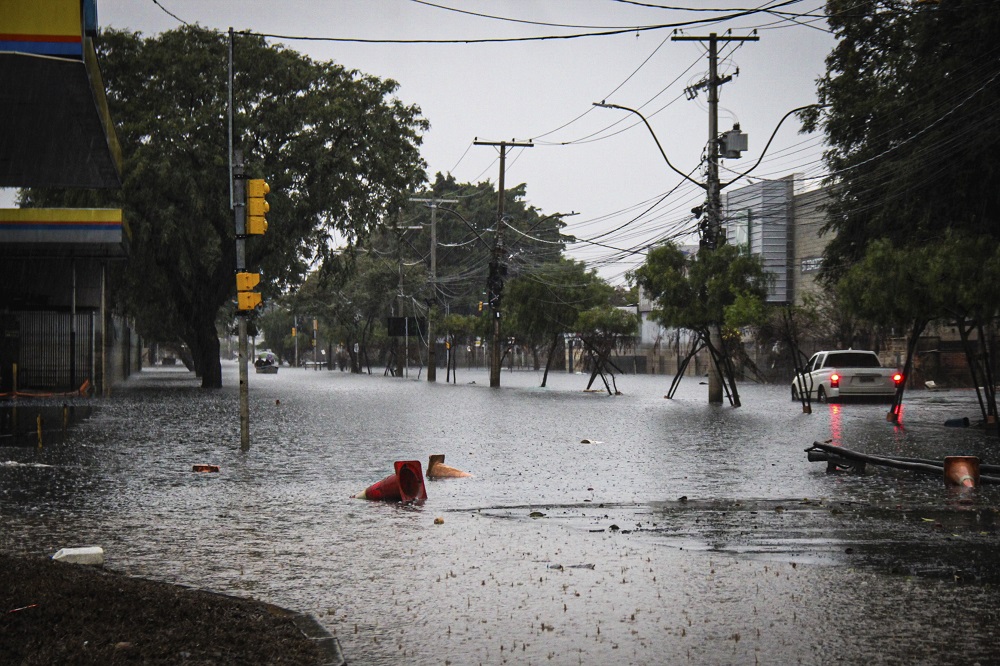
51, 612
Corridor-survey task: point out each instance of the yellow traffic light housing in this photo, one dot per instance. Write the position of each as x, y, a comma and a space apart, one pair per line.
247, 281
257, 207
246, 299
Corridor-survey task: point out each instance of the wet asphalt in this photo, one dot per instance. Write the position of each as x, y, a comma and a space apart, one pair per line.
597, 529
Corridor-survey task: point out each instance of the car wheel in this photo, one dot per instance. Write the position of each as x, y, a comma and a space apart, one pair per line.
821, 395
795, 394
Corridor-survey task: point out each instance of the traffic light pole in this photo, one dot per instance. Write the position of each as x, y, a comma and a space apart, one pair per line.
237, 202
239, 214
498, 266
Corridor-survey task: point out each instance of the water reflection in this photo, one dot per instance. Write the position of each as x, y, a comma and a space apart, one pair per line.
676, 528
33, 421
836, 428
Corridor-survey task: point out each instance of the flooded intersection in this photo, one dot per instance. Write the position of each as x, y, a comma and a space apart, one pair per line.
682, 533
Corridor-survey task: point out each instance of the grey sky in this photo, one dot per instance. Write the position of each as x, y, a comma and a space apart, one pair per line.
597, 162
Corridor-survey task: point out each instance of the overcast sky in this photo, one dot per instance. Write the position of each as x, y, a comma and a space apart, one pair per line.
597, 162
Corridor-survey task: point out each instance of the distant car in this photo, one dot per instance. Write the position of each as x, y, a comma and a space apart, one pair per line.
831, 376
266, 363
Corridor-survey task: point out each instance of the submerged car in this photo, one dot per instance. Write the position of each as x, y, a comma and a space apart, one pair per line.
831, 376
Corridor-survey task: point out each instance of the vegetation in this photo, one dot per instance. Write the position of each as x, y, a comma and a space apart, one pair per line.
603, 330
338, 150
909, 119
546, 304
355, 293
706, 293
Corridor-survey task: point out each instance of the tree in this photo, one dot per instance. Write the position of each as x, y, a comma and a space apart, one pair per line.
276, 325
543, 305
705, 292
466, 238
352, 299
910, 287
894, 287
910, 120
974, 267
604, 329
338, 150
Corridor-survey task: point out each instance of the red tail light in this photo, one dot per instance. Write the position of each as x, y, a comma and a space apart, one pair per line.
834, 380
898, 378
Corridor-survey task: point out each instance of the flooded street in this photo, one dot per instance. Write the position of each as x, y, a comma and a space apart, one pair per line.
681, 533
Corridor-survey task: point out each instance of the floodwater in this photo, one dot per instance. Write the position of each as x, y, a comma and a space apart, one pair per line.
681, 533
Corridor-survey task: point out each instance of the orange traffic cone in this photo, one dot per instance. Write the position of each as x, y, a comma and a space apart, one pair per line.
436, 469
406, 485
961, 471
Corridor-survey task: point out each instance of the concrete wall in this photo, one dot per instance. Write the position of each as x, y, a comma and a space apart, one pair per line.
808, 243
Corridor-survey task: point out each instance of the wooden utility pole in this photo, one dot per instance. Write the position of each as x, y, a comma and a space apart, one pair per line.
498, 265
431, 342
711, 229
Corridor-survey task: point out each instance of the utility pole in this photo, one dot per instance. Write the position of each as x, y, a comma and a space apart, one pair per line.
498, 265
711, 227
431, 342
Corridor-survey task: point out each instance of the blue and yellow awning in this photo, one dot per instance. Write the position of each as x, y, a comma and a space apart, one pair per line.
78, 231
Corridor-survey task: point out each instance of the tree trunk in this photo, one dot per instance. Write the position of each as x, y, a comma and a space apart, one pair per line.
205, 350
548, 362
911, 351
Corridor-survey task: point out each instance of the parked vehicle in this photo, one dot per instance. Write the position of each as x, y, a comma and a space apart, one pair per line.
831, 376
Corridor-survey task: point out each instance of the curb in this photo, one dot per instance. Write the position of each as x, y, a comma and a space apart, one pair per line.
328, 644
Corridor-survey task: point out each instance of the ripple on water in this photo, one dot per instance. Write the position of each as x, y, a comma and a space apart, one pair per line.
766, 558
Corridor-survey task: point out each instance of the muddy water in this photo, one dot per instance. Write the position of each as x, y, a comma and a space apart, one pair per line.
681, 533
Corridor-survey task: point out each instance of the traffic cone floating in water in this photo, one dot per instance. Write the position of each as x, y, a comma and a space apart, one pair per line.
961, 471
436, 469
406, 485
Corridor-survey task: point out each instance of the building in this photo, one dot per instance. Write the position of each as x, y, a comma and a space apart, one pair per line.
760, 216
57, 332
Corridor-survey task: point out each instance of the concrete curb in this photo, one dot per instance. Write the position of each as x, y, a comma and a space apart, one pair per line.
327, 643
310, 627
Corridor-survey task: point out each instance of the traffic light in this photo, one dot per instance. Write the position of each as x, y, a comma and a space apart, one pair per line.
246, 298
257, 207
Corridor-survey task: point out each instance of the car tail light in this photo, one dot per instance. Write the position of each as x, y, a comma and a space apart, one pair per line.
834, 380
898, 378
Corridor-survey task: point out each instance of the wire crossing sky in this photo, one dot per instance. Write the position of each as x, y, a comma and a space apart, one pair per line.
502, 70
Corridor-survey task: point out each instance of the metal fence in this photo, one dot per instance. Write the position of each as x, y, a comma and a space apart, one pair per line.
48, 355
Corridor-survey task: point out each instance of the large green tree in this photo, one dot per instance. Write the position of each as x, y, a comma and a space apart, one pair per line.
912, 93
337, 148
911, 97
